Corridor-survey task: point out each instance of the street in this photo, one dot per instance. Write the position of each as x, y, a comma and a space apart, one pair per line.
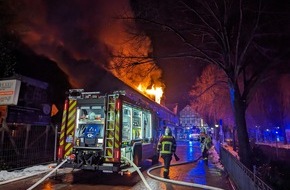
195, 172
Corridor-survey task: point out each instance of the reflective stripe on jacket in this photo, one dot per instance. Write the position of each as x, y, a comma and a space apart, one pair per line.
206, 144
167, 145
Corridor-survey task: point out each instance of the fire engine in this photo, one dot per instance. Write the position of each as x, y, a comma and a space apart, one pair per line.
99, 130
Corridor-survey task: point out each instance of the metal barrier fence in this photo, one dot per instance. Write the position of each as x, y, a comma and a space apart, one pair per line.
26, 145
241, 176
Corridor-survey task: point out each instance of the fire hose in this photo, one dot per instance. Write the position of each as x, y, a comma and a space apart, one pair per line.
42, 179
183, 183
142, 176
139, 172
170, 180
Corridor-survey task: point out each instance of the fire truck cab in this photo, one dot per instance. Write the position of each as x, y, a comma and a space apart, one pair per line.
99, 130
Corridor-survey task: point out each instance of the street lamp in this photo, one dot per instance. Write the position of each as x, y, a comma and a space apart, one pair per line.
221, 133
216, 131
277, 143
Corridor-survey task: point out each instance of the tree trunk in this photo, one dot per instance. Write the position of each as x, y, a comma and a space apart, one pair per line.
239, 108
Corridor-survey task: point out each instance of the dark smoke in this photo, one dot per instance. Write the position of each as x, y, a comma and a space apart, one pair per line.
80, 36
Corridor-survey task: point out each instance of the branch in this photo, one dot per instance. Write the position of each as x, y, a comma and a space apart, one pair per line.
208, 88
213, 14
238, 39
251, 38
165, 26
225, 34
203, 20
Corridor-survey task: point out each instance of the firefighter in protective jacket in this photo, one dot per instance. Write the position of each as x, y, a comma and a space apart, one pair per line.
166, 148
206, 144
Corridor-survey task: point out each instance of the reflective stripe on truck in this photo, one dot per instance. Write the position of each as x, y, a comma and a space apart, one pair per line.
70, 129
62, 131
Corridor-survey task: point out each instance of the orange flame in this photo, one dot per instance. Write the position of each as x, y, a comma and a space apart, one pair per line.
157, 92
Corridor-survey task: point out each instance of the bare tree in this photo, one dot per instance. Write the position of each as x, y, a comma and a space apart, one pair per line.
210, 97
242, 38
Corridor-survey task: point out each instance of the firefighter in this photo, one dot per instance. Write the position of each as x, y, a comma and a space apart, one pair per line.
206, 144
166, 147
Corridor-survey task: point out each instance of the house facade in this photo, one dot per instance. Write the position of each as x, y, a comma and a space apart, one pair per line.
190, 122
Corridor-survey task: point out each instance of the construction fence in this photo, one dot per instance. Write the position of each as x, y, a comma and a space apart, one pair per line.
26, 145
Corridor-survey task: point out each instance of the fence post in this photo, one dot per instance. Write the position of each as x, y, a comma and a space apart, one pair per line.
255, 172
28, 128
55, 142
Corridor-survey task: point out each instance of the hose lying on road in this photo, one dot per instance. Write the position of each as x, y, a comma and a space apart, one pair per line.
139, 172
142, 177
180, 182
137, 169
42, 179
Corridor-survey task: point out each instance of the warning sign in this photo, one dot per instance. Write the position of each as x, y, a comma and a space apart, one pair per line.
9, 92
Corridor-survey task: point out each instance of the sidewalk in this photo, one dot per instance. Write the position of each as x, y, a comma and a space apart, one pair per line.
8, 177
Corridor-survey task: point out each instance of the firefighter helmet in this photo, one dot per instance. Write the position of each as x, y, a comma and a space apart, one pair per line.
168, 131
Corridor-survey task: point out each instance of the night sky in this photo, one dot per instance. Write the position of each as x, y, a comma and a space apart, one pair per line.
78, 37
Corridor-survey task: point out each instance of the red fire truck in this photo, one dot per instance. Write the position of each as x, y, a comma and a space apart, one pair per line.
99, 130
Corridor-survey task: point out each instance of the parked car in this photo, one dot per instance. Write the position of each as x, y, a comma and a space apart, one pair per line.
194, 137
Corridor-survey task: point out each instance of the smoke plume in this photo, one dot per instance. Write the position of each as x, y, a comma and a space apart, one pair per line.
81, 36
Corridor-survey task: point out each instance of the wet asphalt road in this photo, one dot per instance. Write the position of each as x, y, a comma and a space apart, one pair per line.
196, 172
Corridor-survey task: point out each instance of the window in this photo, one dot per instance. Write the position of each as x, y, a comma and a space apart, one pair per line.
127, 123
137, 124
90, 126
